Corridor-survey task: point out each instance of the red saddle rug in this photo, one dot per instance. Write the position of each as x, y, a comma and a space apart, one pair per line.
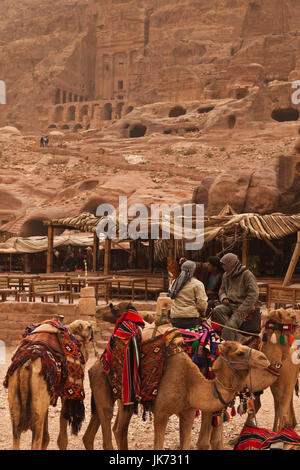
253, 438
63, 372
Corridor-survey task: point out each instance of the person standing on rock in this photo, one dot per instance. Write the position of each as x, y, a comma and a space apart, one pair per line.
190, 299
238, 296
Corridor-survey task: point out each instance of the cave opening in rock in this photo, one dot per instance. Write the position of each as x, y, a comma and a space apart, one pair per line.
57, 97
285, 114
78, 126
231, 121
58, 114
205, 109
107, 112
52, 126
34, 227
71, 113
191, 129
65, 126
177, 111
138, 130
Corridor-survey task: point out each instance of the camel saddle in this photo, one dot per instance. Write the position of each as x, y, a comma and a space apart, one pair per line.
46, 335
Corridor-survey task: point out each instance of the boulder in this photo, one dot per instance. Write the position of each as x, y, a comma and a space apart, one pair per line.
228, 188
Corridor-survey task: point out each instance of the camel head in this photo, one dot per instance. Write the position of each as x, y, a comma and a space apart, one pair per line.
282, 316
241, 357
111, 313
82, 330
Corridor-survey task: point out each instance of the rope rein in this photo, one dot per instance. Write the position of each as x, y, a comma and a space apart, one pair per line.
234, 329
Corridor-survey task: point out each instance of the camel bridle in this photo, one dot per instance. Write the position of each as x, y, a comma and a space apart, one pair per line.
230, 363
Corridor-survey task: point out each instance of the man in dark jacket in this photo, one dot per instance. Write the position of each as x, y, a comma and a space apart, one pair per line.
70, 263
238, 295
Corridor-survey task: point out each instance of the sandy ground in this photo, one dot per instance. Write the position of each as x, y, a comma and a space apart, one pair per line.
140, 433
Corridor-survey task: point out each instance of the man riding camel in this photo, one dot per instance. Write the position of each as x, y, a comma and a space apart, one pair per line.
238, 296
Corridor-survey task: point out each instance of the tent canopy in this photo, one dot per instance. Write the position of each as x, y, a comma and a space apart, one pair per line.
273, 226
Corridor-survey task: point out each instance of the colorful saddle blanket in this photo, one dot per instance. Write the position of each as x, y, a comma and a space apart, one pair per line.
121, 358
152, 356
202, 345
253, 438
52, 367
63, 372
154, 352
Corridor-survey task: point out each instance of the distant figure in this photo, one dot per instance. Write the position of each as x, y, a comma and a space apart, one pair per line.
44, 141
70, 263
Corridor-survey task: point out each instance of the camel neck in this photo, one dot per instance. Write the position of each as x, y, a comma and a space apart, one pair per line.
202, 394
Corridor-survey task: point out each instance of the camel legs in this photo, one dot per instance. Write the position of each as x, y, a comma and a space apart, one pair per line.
15, 409
40, 402
91, 431
284, 409
205, 433
186, 421
217, 442
292, 415
46, 437
121, 424
160, 424
62, 440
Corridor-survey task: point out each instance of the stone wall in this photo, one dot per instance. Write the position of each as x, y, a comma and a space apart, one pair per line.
15, 316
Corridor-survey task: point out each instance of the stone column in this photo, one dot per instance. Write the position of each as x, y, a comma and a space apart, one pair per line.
87, 303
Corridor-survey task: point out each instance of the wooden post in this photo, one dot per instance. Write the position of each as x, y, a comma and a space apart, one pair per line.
151, 253
293, 263
171, 253
50, 250
244, 251
95, 253
136, 253
107, 255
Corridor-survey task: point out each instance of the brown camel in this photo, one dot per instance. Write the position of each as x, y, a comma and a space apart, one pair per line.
29, 399
183, 390
282, 387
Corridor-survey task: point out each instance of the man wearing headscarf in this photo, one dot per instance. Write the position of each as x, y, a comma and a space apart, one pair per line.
238, 293
190, 299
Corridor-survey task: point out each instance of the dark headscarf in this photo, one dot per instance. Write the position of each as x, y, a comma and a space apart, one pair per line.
187, 271
232, 265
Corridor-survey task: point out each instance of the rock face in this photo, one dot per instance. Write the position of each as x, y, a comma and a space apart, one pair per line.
261, 191
67, 70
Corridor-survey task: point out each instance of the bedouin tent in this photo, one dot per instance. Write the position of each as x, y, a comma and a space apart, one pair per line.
226, 224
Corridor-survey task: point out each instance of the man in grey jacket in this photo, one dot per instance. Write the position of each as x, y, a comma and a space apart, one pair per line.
238, 295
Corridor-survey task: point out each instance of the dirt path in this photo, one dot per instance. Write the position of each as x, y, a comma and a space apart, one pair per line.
140, 433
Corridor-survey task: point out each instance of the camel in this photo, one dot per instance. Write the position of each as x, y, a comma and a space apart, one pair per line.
183, 390
282, 387
29, 399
